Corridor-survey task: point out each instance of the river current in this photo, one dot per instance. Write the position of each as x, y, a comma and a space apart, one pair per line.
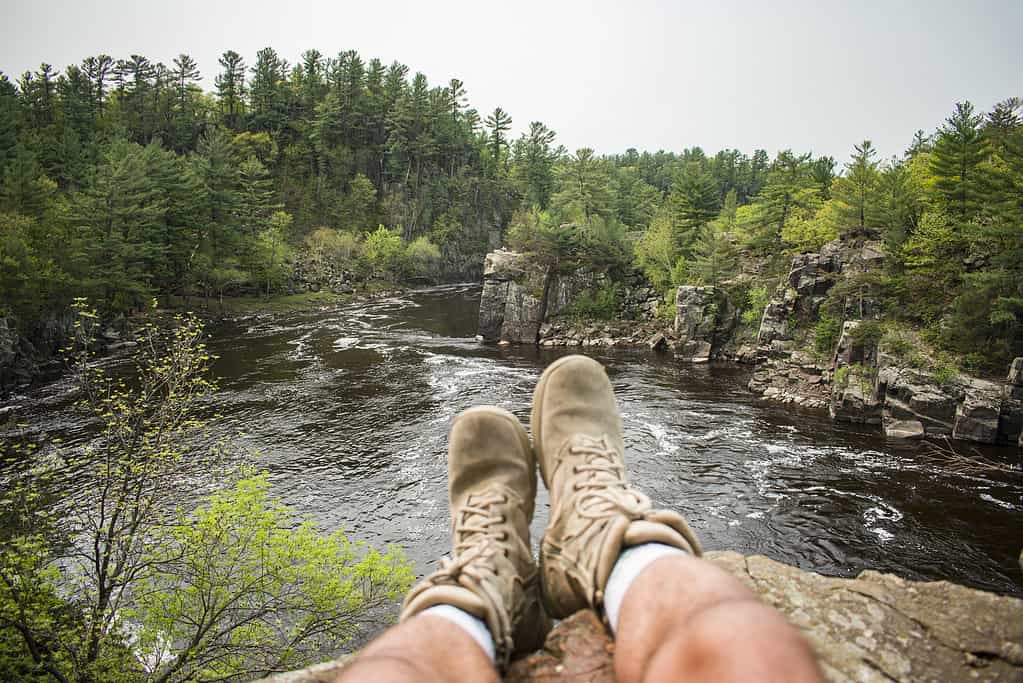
349, 410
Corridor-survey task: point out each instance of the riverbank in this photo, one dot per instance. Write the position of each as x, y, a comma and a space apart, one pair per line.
858, 367
875, 627
232, 307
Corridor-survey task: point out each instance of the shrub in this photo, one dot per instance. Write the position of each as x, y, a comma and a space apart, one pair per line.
119, 586
867, 333
423, 256
383, 250
756, 302
601, 305
826, 333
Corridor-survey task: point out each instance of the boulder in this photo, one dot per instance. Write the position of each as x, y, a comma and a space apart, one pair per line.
903, 429
976, 417
855, 399
658, 342
908, 394
851, 351
812, 275
1015, 377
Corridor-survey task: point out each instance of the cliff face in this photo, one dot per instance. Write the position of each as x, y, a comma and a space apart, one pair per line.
862, 381
519, 299
876, 627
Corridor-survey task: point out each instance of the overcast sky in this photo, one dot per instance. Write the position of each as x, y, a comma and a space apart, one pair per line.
807, 75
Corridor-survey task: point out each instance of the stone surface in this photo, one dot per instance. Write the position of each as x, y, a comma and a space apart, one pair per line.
878, 627
855, 399
578, 649
874, 628
519, 298
850, 351
1015, 376
657, 342
703, 321
511, 304
976, 417
903, 429
909, 394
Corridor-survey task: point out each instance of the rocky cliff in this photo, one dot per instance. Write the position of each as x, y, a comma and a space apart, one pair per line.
876, 627
522, 303
862, 380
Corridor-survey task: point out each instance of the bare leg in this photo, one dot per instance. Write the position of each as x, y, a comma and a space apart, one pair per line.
426, 648
683, 619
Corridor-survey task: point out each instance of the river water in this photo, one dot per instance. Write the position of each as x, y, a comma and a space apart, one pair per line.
349, 410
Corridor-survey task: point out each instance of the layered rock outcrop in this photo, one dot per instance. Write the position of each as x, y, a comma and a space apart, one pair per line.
519, 297
872, 386
704, 320
876, 627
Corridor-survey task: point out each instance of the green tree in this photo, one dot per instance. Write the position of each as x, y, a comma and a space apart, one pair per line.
233, 591
358, 207
533, 164
858, 191
583, 189
955, 163
231, 87
499, 123
693, 202
788, 187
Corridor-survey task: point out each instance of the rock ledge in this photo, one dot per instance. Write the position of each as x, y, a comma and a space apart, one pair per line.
876, 627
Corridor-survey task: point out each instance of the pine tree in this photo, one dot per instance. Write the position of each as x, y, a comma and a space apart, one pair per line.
583, 188
958, 152
533, 158
231, 87
858, 191
98, 69
694, 201
498, 123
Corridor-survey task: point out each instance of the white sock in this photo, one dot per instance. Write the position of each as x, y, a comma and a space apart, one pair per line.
475, 627
628, 566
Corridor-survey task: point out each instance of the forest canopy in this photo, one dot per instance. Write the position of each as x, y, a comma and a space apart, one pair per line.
121, 178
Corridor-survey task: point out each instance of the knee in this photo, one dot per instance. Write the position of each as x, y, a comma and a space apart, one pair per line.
384, 667
740, 640
688, 585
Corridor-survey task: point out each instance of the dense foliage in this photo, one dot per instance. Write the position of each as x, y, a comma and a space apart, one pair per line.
120, 178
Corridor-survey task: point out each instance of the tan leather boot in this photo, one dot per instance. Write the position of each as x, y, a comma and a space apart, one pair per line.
491, 573
595, 514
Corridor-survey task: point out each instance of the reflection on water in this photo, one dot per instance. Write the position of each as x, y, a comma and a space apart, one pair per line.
350, 409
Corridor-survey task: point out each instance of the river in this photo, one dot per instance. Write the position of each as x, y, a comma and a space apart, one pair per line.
349, 410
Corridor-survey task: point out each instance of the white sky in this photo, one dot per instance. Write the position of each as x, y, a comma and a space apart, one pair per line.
810, 75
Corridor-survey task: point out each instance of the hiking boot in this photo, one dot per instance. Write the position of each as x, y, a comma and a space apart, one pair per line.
491, 573
595, 514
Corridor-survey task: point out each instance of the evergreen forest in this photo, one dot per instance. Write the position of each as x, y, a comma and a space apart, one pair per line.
121, 180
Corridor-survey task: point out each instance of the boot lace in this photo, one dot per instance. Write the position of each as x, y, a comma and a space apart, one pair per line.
476, 519
604, 489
